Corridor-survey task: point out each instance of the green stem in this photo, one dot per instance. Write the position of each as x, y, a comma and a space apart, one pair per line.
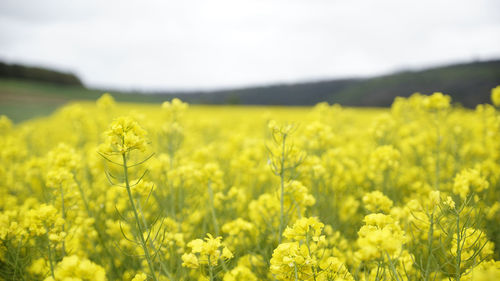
310, 254
64, 218
212, 210
214, 219
378, 270
172, 198
282, 188
50, 257
296, 272
16, 262
459, 251
430, 235
152, 245
438, 144
137, 220
210, 270
393, 268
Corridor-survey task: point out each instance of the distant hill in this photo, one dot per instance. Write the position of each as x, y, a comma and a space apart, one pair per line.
17, 71
469, 84
30, 91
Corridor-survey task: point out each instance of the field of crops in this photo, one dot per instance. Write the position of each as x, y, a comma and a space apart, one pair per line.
108, 191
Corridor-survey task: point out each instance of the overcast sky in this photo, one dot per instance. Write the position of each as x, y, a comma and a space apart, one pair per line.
193, 44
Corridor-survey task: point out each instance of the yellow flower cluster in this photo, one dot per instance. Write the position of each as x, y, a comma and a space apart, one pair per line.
376, 201
140, 277
437, 101
486, 271
45, 219
174, 108
297, 196
384, 159
209, 251
305, 228
5, 124
469, 181
106, 102
245, 269
381, 236
75, 268
124, 136
303, 258
495, 96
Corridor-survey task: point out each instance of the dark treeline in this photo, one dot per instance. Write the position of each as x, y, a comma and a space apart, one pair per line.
18, 71
469, 84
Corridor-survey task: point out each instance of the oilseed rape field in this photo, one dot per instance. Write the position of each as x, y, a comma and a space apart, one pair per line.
110, 191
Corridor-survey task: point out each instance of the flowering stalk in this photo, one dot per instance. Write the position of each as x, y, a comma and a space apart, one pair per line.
282, 187
283, 159
438, 144
137, 220
51, 262
430, 239
124, 136
210, 269
209, 252
212, 209
458, 261
392, 268
438, 104
63, 210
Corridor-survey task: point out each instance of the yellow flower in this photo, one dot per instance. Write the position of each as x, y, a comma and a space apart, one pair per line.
124, 135
240, 273
64, 156
297, 194
376, 201
467, 181
486, 271
384, 158
233, 228
190, 260
434, 198
495, 96
226, 254
60, 177
42, 218
196, 245
333, 269
174, 109
286, 257
206, 252
304, 228
437, 101
449, 202
39, 267
76, 268
379, 236
5, 124
292, 261
106, 101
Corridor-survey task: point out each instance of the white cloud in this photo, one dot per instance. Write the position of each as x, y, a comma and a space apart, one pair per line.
222, 43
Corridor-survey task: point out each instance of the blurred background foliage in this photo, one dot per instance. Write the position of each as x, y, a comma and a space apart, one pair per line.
27, 91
